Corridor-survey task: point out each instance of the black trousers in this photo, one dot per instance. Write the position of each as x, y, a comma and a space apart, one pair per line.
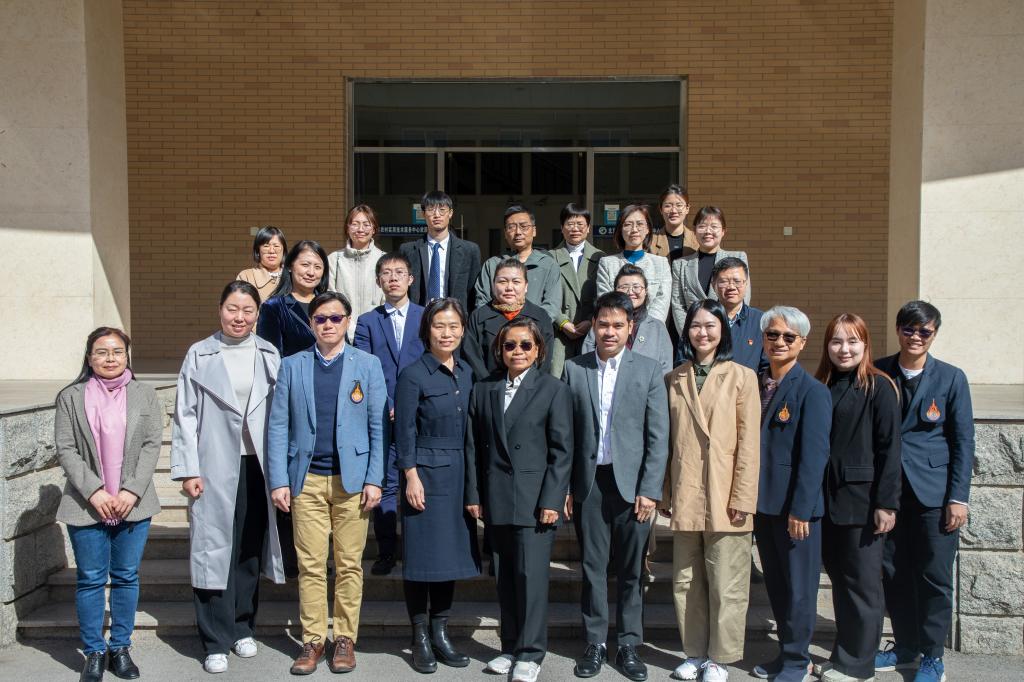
225, 616
423, 600
523, 558
602, 519
385, 515
918, 575
853, 559
792, 571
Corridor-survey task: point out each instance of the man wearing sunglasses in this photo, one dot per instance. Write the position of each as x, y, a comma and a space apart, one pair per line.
326, 460
938, 455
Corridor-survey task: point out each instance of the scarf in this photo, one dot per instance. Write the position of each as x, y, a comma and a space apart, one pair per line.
633, 256
509, 310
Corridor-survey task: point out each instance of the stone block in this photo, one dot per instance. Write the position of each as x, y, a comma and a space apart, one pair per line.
26, 442
27, 561
11, 612
29, 502
991, 584
995, 519
987, 635
999, 454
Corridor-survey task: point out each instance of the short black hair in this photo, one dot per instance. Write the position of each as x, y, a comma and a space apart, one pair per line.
263, 236
614, 300
439, 305
323, 299
389, 258
531, 326
572, 211
724, 350
918, 314
519, 208
238, 286
436, 198
630, 270
728, 264
512, 263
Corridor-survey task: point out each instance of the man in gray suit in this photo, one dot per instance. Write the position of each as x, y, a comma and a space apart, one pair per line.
620, 414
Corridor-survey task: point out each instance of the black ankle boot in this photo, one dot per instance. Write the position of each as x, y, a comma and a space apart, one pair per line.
442, 646
93, 669
423, 660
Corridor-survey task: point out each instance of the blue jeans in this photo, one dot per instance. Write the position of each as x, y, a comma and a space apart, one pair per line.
102, 551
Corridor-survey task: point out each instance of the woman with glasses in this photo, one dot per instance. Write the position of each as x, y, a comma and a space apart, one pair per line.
438, 536
353, 267
711, 492
862, 493
284, 317
518, 460
633, 236
218, 444
107, 430
268, 249
674, 239
691, 274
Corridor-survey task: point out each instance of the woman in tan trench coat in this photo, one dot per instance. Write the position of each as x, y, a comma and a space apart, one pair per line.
711, 492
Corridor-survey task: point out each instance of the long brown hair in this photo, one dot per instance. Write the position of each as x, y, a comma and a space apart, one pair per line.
866, 370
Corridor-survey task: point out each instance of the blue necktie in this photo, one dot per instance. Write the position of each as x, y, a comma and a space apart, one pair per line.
434, 276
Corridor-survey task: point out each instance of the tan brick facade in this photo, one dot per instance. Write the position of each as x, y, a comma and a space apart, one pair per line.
236, 116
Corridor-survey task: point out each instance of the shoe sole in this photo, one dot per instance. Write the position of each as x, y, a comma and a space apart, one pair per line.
898, 666
339, 671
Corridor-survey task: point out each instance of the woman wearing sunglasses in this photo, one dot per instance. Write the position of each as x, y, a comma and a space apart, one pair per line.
518, 460
218, 453
438, 536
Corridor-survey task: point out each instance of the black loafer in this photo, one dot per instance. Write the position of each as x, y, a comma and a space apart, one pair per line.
93, 670
383, 564
590, 663
122, 665
629, 663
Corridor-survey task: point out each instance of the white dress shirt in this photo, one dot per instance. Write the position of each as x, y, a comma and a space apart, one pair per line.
512, 386
398, 317
443, 255
607, 374
576, 253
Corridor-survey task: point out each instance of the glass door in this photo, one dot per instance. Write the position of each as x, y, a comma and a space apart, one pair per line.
623, 178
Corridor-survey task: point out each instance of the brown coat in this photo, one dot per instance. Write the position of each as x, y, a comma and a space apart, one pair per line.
659, 243
715, 448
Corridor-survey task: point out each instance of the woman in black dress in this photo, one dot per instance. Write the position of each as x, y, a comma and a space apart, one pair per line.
438, 536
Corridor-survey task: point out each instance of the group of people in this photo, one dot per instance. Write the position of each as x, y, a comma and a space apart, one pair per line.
531, 390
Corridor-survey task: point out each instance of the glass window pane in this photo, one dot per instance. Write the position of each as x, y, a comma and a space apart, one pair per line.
621, 179
501, 173
392, 184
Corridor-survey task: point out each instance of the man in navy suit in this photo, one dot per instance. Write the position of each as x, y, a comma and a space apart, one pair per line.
938, 455
390, 332
729, 279
796, 420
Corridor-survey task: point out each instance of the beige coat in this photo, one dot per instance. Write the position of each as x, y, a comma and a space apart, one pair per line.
715, 448
659, 243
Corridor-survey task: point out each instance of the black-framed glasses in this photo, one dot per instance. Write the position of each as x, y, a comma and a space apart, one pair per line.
510, 346
909, 332
789, 337
335, 319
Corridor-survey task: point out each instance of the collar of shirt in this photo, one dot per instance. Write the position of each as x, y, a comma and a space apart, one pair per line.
388, 308
324, 361
576, 250
614, 361
514, 383
703, 370
444, 243
740, 317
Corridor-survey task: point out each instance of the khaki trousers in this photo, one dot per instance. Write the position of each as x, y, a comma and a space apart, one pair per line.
711, 586
323, 510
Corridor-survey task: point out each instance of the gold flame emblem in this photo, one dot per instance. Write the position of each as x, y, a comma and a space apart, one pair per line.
933, 413
784, 413
357, 393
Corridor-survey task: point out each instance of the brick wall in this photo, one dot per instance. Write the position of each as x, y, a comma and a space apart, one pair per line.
236, 117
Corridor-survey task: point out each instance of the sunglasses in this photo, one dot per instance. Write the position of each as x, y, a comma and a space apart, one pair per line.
788, 337
510, 346
335, 319
909, 332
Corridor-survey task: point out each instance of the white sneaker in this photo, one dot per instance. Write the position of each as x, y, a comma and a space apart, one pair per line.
245, 648
526, 671
714, 672
500, 665
833, 675
216, 663
689, 669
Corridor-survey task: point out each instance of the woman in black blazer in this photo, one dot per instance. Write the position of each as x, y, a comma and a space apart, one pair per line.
518, 460
862, 493
284, 317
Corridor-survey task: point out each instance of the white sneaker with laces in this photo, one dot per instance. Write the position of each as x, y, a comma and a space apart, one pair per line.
689, 669
714, 672
500, 665
525, 671
216, 663
245, 648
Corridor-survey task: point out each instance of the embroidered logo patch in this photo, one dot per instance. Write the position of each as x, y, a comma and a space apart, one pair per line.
783, 415
933, 413
357, 393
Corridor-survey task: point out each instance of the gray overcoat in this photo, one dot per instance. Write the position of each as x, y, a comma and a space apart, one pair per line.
206, 441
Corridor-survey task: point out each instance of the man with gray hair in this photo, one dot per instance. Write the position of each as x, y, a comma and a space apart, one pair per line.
796, 421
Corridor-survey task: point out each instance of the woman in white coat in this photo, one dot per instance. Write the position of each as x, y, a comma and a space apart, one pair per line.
218, 450
353, 268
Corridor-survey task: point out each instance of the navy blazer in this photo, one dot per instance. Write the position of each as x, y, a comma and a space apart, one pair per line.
462, 267
283, 323
938, 444
795, 433
376, 335
747, 340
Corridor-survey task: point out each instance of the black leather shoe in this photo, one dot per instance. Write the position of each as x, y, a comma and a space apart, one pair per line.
383, 564
629, 663
590, 663
423, 660
93, 670
443, 649
122, 665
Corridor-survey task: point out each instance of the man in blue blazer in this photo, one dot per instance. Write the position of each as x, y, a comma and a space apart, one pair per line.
938, 456
391, 333
796, 420
729, 280
325, 450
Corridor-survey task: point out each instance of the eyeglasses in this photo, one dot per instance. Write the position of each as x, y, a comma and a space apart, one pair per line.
630, 288
437, 210
735, 283
518, 227
679, 206
364, 225
335, 319
710, 229
635, 225
397, 274
788, 337
909, 332
271, 247
117, 353
510, 346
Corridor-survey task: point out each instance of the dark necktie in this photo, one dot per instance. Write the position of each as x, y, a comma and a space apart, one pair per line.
434, 276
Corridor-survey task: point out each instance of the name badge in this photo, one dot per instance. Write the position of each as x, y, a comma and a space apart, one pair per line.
357, 393
933, 413
783, 415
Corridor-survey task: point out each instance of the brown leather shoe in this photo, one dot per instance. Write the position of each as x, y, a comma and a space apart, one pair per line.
343, 655
308, 658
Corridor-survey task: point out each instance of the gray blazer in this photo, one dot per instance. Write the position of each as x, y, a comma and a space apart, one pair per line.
686, 285
639, 425
656, 270
77, 454
652, 341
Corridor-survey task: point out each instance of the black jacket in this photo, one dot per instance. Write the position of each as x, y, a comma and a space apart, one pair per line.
462, 267
484, 325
